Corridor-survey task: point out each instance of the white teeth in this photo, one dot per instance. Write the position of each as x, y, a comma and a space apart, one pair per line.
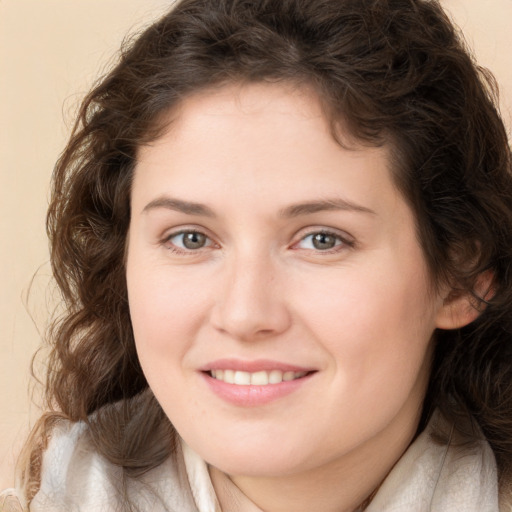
275, 377
261, 378
242, 378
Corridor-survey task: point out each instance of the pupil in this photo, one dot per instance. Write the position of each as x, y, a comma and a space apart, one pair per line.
194, 240
323, 241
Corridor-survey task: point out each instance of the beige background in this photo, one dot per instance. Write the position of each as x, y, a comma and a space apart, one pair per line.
50, 52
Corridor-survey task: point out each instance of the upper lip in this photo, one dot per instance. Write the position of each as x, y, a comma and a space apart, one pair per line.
256, 365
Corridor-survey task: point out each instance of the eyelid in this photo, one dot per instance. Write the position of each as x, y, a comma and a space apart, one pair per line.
347, 240
166, 240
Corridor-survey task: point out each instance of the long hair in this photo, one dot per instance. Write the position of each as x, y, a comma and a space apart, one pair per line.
395, 72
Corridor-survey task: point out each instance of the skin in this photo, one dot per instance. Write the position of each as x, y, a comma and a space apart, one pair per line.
361, 314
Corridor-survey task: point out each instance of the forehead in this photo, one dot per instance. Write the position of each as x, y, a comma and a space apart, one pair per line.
262, 141
272, 118
255, 101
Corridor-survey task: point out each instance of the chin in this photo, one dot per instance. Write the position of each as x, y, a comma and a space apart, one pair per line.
255, 459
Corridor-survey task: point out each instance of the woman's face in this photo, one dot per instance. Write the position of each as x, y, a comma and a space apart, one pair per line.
280, 300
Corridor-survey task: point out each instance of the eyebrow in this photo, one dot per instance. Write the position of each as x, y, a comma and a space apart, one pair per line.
296, 210
187, 207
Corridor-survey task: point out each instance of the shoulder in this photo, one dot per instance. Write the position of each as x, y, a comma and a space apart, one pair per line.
73, 473
442, 470
76, 477
61, 460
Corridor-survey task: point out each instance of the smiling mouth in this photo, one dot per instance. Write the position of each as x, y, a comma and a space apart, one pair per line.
260, 378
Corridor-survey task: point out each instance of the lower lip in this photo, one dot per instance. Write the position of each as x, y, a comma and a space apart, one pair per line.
253, 396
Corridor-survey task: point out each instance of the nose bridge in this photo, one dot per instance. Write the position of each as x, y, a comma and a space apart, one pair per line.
250, 303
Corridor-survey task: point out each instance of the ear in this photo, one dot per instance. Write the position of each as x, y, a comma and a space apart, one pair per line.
461, 308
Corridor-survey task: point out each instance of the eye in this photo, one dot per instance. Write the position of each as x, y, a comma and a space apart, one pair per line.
188, 240
323, 241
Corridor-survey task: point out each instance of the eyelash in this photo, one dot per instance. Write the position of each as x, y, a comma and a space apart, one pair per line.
167, 241
342, 242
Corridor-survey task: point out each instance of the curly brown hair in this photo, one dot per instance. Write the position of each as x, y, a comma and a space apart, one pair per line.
396, 72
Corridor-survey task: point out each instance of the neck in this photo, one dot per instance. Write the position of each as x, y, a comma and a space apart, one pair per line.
283, 496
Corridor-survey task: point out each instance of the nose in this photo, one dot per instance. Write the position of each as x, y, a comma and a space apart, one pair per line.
251, 304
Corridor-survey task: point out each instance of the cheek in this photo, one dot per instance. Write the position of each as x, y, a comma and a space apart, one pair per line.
375, 325
166, 310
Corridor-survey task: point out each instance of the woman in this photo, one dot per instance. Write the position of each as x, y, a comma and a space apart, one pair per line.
283, 230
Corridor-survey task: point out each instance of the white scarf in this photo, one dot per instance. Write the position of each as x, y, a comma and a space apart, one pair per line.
429, 477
